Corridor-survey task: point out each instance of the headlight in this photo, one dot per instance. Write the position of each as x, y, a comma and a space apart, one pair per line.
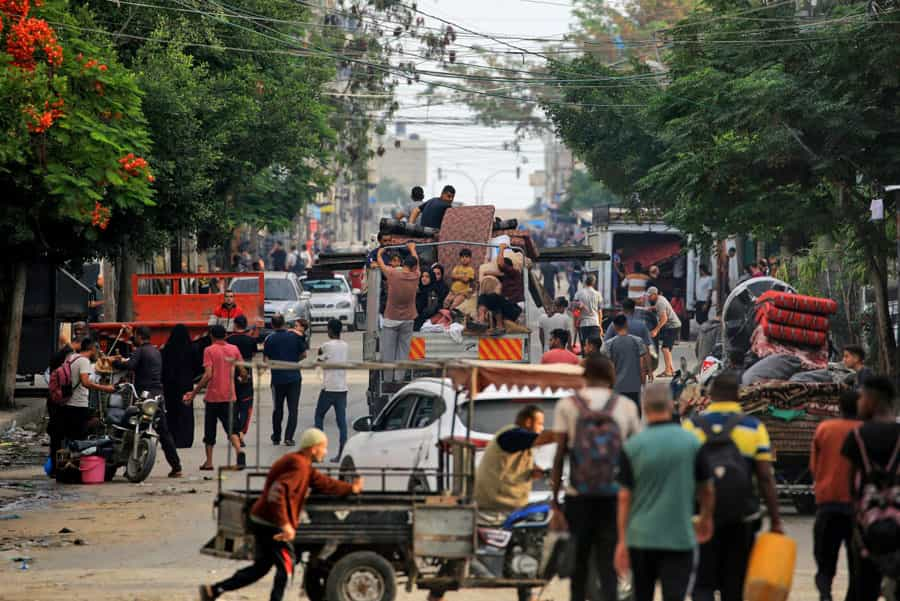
149, 408
343, 305
291, 314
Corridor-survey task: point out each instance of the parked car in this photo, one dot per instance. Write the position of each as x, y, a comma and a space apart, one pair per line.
283, 294
406, 432
331, 298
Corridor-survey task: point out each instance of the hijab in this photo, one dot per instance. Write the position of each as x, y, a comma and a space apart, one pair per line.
440, 286
177, 353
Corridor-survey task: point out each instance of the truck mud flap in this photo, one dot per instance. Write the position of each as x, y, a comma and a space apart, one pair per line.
229, 546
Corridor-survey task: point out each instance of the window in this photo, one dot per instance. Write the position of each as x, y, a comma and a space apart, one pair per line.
491, 415
397, 416
428, 410
277, 289
326, 286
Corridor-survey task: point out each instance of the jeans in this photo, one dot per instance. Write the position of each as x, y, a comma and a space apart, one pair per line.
267, 552
588, 332
723, 562
338, 400
289, 393
592, 523
395, 343
832, 529
673, 569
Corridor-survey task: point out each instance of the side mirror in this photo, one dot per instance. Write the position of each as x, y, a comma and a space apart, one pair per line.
305, 295
356, 291
362, 424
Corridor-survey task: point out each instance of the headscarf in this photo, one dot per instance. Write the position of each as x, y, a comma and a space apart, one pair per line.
424, 292
178, 356
440, 286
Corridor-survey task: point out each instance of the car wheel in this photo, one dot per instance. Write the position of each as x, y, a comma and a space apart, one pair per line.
418, 483
362, 576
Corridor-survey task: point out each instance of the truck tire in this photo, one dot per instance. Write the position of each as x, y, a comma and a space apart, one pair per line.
362, 576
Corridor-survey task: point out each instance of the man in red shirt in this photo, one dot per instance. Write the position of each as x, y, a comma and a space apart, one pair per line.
558, 353
229, 309
276, 514
218, 379
834, 509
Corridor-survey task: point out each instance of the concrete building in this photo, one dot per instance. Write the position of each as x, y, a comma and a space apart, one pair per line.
558, 166
404, 160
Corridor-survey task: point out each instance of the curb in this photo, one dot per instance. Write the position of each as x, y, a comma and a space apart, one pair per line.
29, 411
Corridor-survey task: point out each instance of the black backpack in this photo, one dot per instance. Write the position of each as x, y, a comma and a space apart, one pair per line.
730, 469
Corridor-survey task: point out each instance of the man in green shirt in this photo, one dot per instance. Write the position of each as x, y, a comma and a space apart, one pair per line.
661, 474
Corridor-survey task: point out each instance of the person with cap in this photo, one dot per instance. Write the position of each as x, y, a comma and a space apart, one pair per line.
275, 516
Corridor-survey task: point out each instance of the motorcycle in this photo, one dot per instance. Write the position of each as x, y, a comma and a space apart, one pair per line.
130, 422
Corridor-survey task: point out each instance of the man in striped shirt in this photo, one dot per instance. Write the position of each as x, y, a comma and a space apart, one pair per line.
636, 283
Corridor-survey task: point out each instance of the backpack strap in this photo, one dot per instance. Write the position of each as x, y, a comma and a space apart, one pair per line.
733, 422
706, 426
892, 462
70, 362
867, 465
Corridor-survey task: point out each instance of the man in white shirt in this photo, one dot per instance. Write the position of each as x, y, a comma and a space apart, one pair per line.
77, 412
668, 325
558, 319
636, 283
591, 310
703, 295
334, 383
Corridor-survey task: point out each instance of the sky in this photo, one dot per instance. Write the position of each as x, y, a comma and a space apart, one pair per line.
461, 150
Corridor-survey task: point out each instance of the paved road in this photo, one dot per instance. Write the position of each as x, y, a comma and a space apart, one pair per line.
143, 541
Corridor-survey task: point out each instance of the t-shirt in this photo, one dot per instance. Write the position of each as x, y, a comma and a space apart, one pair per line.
279, 257
334, 351
80, 394
467, 272
661, 467
282, 345
560, 355
750, 436
219, 357
245, 343
636, 327
565, 415
626, 352
636, 284
664, 307
513, 286
704, 288
591, 300
557, 321
879, 438
432, 214
830, 469
402, 286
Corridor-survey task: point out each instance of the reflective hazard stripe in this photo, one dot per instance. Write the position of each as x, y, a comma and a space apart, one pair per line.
417, 349
500, 349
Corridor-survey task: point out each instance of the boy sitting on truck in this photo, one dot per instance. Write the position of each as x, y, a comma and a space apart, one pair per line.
276, 514
463, 275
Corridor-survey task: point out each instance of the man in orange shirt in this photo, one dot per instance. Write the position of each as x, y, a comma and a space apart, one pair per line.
834, 511
559, 352
275, 516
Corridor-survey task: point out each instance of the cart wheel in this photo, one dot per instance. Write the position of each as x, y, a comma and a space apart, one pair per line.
314, 583
805, 504
362, 576
347, 471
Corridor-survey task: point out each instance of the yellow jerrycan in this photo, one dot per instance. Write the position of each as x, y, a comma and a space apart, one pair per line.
771, 568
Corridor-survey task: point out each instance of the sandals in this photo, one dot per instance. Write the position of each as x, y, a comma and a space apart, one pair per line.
206, 468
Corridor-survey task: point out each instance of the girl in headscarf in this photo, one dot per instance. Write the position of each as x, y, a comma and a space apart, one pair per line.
178, 360
426, 300
439, 283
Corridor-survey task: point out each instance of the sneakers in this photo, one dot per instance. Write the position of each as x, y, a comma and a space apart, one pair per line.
175, 473
275, 440
289, 443
241, 460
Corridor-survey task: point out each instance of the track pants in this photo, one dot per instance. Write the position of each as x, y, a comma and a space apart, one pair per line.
674, 570
592, 522
723, 562
267, 553
832, 529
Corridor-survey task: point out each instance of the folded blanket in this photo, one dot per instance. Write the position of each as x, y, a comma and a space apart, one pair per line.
775, 314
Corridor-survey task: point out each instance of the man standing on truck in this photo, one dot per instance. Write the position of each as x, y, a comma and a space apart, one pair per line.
275, 516
636, 283
513, 288
400, 310
432, 212
228, 310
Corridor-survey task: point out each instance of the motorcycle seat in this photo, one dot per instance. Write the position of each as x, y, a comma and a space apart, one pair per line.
120, 416
82, 445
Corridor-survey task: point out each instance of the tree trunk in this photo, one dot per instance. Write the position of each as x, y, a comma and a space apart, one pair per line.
12, 302
175, 255
887, 345
126, 266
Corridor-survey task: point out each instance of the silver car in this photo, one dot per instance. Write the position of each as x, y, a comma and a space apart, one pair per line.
283, 295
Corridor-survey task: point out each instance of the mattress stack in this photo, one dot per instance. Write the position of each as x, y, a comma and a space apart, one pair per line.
794, 318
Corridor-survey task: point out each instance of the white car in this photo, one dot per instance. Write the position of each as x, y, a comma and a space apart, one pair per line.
331, 298
405, 434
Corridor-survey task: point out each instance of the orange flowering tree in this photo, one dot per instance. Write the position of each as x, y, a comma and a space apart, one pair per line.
73, 134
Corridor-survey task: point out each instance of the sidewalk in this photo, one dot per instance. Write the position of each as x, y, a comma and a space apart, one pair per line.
27, 411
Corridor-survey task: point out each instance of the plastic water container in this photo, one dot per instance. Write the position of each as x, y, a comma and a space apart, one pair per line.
770, 572
93, 470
